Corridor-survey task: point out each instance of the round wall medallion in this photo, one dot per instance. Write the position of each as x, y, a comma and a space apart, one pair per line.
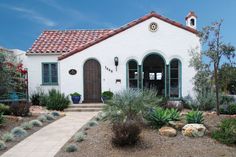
153, 27
72, 71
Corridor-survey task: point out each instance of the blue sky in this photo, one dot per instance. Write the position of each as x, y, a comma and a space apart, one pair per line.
22, 21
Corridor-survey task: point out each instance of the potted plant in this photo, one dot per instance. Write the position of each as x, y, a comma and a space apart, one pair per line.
75, 97
107, 95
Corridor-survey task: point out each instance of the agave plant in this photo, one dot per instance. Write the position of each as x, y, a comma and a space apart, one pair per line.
195, 117
174, 114
158, 117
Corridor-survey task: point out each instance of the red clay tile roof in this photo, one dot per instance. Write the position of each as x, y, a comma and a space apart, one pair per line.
70, 42
59, 42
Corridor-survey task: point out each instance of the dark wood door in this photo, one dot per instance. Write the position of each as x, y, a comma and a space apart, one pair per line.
92, 81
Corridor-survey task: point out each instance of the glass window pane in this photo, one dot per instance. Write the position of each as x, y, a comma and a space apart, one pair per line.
133, 74
133, 83
46, 73
54, 73
174, 63
159, 76
151, 76
132, 65
174, 73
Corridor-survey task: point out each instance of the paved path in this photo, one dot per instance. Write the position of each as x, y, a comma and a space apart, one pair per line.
48, 141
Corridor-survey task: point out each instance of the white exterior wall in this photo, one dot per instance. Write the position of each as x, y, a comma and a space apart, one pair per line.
34, 66
134, 43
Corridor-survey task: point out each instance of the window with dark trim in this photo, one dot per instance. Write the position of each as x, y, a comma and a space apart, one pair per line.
49, 74
175, 78
133, 74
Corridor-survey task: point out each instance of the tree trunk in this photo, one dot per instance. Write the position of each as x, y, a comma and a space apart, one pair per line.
217, 89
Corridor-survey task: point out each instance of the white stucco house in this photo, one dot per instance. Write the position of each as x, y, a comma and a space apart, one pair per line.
150, 52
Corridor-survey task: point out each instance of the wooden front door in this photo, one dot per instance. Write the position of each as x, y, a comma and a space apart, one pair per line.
92, 81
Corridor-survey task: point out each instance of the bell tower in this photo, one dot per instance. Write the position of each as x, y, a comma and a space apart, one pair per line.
191, 20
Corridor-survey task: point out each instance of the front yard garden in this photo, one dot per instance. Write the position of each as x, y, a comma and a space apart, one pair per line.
136, 123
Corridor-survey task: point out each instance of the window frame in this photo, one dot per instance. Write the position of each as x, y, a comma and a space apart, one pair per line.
50, 73
132, 79
179, 78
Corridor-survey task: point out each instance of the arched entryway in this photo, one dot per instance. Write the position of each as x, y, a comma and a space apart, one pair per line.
92, 81
154, 72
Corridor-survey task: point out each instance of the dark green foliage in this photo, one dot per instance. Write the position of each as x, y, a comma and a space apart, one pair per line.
232, 109
92, 123
227, 132
4, 109
75, 94
174, 114
35, 99
1, 118
226, 99
159, 116
126, 133
107, 95
20, 108
56, 100
195, 117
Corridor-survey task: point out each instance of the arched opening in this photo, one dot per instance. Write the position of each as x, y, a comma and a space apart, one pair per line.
192, 22
132, 72
92, 81
154, 73
175, 78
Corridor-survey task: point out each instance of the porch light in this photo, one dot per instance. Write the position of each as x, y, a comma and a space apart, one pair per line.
116, 60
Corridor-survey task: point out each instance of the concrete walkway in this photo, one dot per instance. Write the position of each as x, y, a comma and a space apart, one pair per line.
49, 140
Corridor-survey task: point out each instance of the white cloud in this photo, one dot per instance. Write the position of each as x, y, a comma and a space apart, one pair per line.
32, 15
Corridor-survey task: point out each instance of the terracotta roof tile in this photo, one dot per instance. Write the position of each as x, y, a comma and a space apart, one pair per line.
59, 42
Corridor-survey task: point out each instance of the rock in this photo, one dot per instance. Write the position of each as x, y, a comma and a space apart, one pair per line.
175, 104
167, 131
177, 124
194, 130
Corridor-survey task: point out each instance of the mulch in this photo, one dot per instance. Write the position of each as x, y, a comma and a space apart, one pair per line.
98, 144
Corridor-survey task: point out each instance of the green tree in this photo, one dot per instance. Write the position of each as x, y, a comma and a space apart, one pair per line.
216, 49
227, 77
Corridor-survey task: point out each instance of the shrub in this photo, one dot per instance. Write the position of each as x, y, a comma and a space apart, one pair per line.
226, 99
92, 123
194, 117
19, 132
26, 126
80, 136
107, 95
232, 109
227, 132
75, 94
126, 133
42, 118
1, 118
55, 114
71, 148
158, 117
36, 123
56, 100
7, 137
35, 99
2, 145
49, 117
20, 108
4, 109
174, 114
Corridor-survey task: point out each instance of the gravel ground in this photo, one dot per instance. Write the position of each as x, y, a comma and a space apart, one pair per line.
10, 124
98, 144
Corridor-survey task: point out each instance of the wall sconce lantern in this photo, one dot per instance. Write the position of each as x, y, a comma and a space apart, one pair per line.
116, 60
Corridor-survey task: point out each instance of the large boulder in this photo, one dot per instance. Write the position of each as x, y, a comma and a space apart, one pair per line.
167, 131
177, 124
194, 130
